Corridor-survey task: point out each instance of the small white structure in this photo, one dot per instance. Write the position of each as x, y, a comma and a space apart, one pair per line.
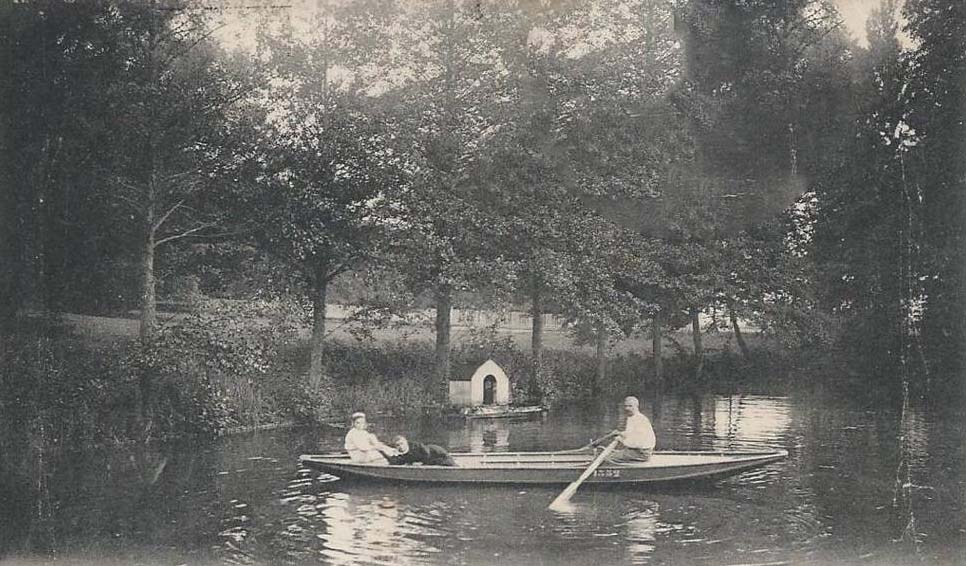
488, 385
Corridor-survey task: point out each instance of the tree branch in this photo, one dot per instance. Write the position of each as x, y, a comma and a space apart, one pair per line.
184, 234
177, 54
167, 214
134, 204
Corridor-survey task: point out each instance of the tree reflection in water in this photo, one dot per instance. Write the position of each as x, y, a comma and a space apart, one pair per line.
913, 455
25, 524
642, 527
861, 485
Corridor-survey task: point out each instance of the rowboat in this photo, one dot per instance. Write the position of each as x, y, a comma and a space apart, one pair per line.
500, 411
551, 467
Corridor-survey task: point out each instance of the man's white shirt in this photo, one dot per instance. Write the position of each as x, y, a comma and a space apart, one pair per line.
638, 433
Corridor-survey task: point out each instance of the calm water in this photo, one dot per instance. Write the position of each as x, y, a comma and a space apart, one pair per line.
849, 493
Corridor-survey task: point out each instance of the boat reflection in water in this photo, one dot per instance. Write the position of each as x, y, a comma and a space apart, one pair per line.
373, 529
334, 527
629, 528
641, 526
481, 435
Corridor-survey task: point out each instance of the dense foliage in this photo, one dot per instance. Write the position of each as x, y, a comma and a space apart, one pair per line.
631, 166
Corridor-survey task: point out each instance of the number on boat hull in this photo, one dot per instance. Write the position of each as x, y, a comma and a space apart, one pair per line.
598, 473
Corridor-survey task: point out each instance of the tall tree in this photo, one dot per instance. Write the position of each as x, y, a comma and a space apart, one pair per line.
860, 258
747, 85
328, 171
602, 72
50, 146
170, 106
322, 199
938, 116
453, 109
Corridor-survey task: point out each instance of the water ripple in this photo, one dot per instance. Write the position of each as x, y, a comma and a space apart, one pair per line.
791, 511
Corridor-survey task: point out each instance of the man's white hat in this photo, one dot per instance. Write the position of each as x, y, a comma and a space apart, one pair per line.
357, 415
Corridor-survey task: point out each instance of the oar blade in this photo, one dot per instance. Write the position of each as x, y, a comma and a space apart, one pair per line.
561, 506
562, 502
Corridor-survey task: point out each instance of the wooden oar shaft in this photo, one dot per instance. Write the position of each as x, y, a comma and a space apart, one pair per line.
587, 446
567, 493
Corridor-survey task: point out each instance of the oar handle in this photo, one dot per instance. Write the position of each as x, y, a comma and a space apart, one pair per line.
608, 436
567, 493
592, 444
595, 443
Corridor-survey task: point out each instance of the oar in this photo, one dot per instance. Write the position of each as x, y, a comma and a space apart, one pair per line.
585, 447
560, 503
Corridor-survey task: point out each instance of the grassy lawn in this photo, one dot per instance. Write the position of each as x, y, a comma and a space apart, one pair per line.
389, 374
97, 330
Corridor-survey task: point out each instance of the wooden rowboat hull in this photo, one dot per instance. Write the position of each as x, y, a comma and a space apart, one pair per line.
499, 412
550, 467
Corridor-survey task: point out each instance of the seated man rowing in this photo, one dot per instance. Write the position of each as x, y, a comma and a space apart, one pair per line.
636, 441
419, 453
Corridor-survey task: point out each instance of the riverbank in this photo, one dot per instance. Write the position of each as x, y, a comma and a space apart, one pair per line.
86, 379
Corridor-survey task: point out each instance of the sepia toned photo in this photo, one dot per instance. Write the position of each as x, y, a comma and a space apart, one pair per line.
482, 282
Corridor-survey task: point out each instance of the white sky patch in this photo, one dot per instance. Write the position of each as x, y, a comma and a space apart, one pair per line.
301, 17
855, 13
341, 77
540, 40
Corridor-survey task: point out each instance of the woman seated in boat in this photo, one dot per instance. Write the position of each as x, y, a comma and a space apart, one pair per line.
419, 453
363, 446
636, 441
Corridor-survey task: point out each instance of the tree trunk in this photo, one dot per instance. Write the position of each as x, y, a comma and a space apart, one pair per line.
536, 340
317, 342
38, 255
657, 348
444, 309
20, 274
147, 334
698, 343
742, 346
37, 199
9, 256
149, 305
149, 315
601, 359
31, 217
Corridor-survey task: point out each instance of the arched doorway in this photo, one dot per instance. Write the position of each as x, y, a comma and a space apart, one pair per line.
488, 386
489, 390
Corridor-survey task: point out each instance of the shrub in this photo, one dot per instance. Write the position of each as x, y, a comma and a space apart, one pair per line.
396, 377
220, 366
71, 394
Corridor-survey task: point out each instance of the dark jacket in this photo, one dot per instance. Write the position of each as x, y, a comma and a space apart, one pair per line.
419, 453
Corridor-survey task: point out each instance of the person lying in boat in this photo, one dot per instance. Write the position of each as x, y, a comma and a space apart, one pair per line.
363, 446
636, 442
419, 453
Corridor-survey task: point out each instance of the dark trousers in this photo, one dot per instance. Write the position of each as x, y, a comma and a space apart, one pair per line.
630, 455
